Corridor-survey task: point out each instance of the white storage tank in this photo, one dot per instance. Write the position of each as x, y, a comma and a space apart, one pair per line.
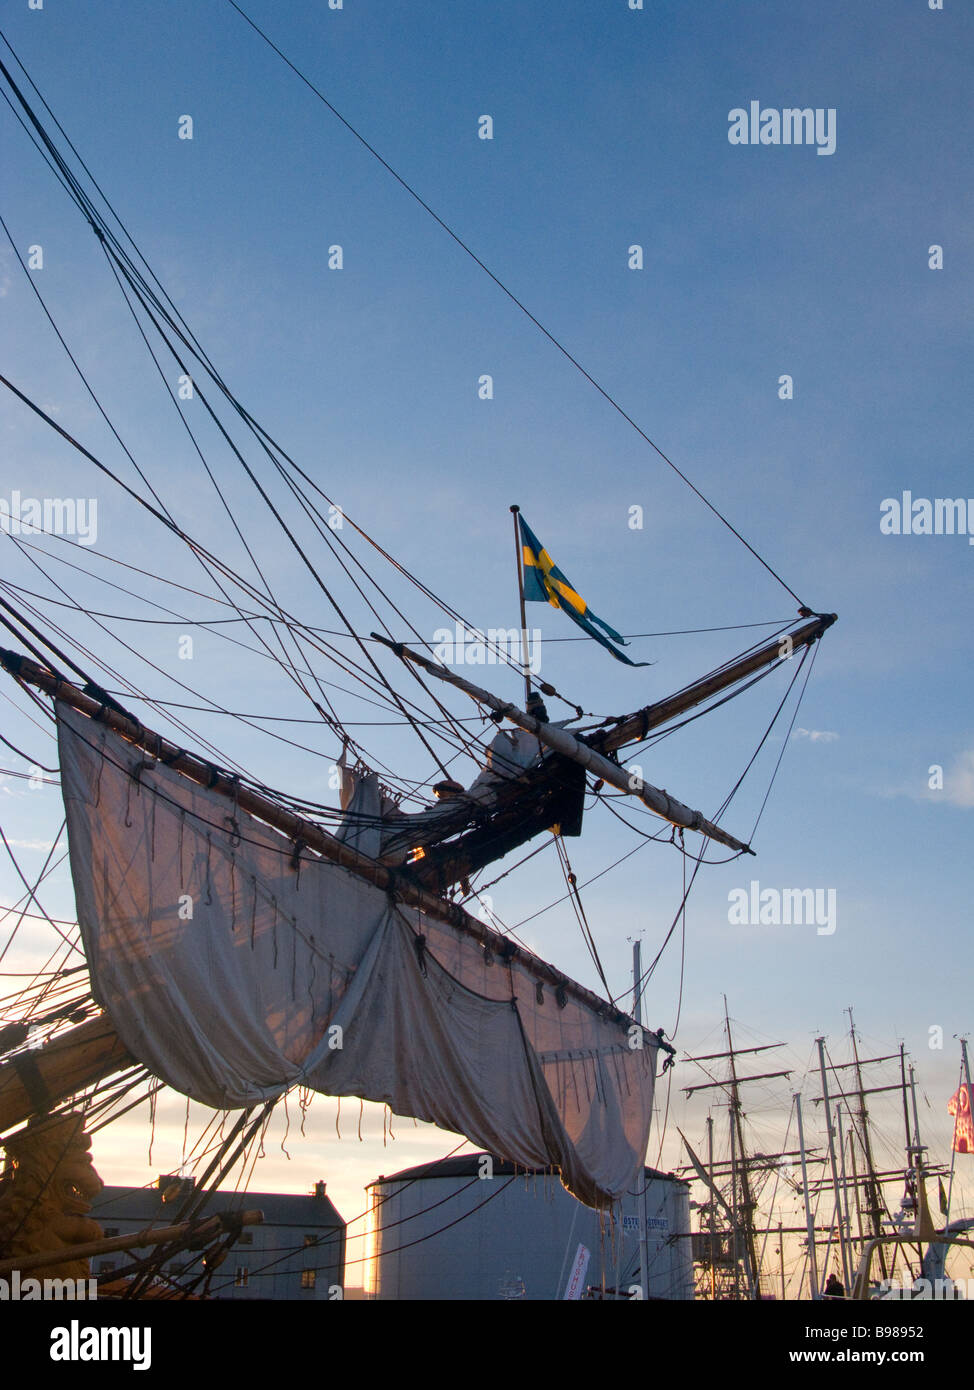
474, 1227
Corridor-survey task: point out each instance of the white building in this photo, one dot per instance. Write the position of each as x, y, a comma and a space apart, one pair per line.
474, 1227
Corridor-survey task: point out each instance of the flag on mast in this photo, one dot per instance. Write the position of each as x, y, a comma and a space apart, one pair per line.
545, 583
960, 1107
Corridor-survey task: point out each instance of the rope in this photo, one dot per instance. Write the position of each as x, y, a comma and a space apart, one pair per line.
511, 296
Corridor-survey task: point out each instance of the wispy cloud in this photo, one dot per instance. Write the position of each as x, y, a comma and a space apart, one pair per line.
34, 844
816, 735
958, 785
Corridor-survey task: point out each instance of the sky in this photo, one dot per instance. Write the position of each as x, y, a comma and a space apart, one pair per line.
796, 341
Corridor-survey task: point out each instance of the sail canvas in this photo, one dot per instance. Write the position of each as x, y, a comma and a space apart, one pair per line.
234, 968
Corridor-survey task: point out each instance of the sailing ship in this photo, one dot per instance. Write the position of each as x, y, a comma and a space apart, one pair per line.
240, 941
852, 1240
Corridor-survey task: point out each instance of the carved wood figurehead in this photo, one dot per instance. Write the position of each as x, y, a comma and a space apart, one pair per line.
47, 1191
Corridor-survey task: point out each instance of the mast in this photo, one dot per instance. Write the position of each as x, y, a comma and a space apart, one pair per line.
743, 1204
855, 1183
746, 1202
843, 1181
736, 1225
906, 1112
637, 1013
872, 1194
809, 1221
847, 1276
713, 1207
781, 1257
918, 1149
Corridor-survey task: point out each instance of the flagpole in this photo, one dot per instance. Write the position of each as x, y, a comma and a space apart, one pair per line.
525, 664
953, 1151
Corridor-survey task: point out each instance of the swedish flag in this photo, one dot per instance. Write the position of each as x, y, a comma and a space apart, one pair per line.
545, 583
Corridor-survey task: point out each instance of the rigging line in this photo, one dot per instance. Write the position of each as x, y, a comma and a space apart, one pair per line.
323, 1242
676, 632
264, 617
194, 815
44, 660
766, 734
213, 708
514, 299
54, 845
588, 938
602, 872
102, 230
664, 732
660, 834
326, 533
261, 1271
27, 759
177, 621
186, 425
43, 915
180, 724
299, 549
282, 718
482, 888
71, 183
653, 739
159, 517
107, 237
286, 665
787, 737
132, 593
27, 691
648, 972
77, 367
683, 951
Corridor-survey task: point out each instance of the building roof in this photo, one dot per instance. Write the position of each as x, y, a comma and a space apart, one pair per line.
467, 1166
279, 1208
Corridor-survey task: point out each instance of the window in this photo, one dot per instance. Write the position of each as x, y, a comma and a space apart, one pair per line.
111, 1231
310, 1240
106, 1266
245, 1238
308, 1278
242, 1277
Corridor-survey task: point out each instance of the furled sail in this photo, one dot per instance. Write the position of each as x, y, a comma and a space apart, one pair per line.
235, 964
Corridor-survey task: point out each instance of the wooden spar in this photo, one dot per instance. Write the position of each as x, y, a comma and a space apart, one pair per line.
561, 741
297, 828
636, 726
535, 783
200, 1231
34, 1081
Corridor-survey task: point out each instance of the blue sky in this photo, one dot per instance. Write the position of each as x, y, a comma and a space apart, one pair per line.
610, 129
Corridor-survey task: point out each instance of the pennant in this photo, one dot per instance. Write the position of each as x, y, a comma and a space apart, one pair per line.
960, 1106
545, 583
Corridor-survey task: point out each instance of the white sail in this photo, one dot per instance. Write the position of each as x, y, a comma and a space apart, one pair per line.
233, 969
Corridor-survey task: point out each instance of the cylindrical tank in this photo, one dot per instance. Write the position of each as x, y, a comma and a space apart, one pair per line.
474, 1227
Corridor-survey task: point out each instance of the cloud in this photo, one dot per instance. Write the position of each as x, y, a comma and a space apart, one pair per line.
34, 844
959, 780
816, 735
953, 785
